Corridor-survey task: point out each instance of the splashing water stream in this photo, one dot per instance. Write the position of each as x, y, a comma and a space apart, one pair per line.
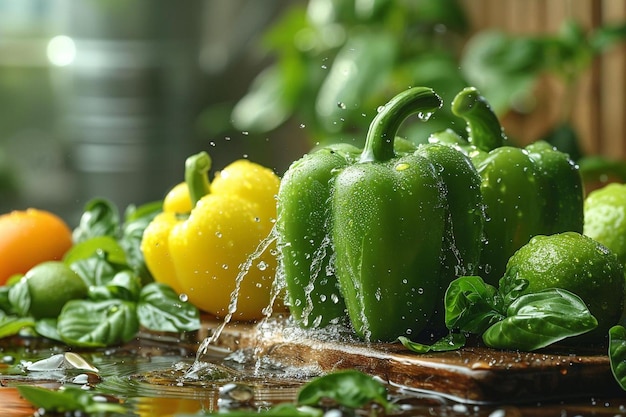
234, 296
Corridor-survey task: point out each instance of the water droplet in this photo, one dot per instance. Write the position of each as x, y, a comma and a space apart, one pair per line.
183, 297
262, 265
341, 105
424, 116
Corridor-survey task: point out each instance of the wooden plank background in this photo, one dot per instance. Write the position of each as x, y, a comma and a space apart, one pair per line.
600, 99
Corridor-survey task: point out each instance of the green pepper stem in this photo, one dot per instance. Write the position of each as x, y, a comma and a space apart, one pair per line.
196, 176
379, 143
483, 127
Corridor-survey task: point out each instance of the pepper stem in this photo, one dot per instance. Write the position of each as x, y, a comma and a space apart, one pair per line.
196, 176
379, 143
483, 127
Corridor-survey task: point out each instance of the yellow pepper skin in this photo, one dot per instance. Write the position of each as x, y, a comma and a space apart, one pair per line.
204, 253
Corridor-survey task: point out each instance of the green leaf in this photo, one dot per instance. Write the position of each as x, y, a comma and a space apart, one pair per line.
98, 245
19, 297
264, 107
11, 325
5, 304
617, 354
67, 399
348, 388
452, 341
125, 285
48, 328
607, 36
135, 223
502, 67
97, 269
471, 305
97, 324
540, 319
160, 309
100, 218
510, 287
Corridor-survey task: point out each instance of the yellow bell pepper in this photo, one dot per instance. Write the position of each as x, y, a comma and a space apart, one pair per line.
202, 253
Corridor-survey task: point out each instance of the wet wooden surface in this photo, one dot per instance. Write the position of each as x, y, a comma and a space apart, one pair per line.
472, 375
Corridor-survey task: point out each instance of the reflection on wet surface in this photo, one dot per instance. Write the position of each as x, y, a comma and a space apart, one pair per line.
157, 377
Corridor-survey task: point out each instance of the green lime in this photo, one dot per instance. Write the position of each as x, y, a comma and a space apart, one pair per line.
579, 264
52, 284
605, 218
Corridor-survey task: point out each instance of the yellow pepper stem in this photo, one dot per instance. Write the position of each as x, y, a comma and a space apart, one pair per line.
196, 176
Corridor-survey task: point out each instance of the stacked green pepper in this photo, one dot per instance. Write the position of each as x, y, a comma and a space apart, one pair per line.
380, 232
527, 191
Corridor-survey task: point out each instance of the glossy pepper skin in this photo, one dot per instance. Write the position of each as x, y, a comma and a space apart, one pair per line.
303, 228
384, 215
526, 191
304, 220
201, 253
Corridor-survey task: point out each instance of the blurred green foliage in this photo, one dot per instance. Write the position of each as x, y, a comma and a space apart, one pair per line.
337, 61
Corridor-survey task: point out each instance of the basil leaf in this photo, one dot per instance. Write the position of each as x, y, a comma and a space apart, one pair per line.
510, 287
160, 309
100, 218
48, 328
470, 305
452, 341
67, 399
617, 354
97, 324
349, 388
136, 221
96, 246
19, 297
5, 304
125, 285
539, 319
11, 325
97, 269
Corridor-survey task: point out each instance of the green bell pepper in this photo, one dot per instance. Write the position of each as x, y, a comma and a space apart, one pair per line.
304, 227
527, 191
384, 231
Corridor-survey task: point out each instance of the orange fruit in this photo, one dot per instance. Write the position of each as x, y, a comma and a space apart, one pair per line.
30, 237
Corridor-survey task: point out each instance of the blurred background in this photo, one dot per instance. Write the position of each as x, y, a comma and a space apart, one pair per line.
106, 98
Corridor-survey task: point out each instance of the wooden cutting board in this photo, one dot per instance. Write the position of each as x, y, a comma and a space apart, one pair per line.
473, 375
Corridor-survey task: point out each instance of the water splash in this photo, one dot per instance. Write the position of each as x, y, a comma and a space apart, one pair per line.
234, 296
